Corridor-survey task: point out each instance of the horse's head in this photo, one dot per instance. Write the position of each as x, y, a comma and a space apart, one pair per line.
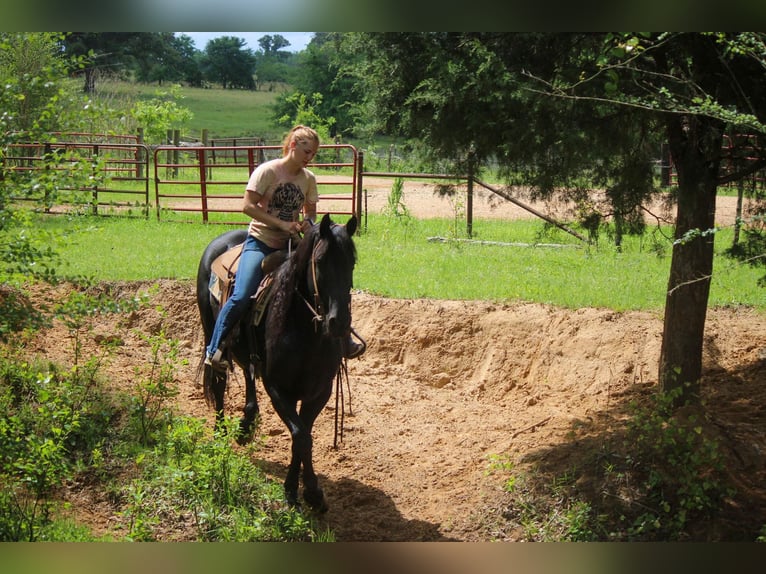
331, 273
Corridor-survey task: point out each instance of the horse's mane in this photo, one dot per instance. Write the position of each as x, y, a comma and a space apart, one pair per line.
293, 273
287, 277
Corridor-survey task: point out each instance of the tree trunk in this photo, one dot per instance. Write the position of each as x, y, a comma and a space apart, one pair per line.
695, 144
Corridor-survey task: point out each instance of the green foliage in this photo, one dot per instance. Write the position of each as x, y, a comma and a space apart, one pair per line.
161, 114
37, 100
59, 425
151, 402
680, 468
50, 422
395, 206
301, 109
227, 62
36, 96
195, 475
545, 511
667, 477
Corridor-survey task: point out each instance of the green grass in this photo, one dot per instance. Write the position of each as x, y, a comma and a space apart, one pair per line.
396, 259
224, 113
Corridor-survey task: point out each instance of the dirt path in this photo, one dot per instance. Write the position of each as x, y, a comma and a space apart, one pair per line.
445, 385
423, 201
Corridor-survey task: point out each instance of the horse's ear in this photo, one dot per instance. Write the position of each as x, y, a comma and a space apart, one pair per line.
325, 226
351, 225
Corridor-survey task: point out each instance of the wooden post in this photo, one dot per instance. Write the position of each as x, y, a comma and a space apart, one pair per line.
203, 184
469, 202
169, 154
139, 164
176, 143
94, 190
205, 143
360, 169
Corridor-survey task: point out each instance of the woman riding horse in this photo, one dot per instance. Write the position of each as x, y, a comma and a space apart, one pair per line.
276, 194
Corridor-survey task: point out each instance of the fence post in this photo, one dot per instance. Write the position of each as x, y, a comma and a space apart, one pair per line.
205, 143
139, 165
665, 165
360, 169
203, 183
94, 192
47, 154
469, 202
176, 143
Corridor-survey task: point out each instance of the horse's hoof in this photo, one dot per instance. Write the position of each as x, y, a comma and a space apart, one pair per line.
292, 500
315, 499
246, 431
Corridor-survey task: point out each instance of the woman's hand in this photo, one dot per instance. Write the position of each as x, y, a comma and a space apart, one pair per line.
292, 227
306, 225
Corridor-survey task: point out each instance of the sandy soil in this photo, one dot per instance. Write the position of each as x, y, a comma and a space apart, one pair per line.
445, 385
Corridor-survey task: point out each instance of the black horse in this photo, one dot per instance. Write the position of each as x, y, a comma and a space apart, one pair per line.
296, 349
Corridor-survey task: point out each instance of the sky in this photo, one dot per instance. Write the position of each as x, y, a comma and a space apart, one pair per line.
298, 40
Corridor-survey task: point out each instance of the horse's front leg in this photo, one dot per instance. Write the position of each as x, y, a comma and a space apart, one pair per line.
301, 439
312, 493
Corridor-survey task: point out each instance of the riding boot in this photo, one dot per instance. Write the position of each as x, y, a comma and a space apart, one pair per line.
217, 362
352, 349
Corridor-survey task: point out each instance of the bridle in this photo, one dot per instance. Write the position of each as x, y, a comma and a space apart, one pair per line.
318, 312
317, 309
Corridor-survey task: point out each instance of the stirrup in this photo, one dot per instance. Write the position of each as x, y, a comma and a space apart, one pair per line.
217, 362
352, 349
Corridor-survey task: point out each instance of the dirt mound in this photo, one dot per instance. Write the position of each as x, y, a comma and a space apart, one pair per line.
445, 385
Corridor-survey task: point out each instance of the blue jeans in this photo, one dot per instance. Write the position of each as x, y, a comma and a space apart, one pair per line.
249, 275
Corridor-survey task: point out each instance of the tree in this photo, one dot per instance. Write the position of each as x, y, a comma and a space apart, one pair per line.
567, 112
37, 98
114, 53
273, 64
32, 77
701, 86
271, 45
319, 65
172, 60
229, 63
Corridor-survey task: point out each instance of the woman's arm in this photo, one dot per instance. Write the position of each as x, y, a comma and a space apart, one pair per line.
251, 207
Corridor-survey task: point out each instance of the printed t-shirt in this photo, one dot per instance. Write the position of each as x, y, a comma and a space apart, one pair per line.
280, 197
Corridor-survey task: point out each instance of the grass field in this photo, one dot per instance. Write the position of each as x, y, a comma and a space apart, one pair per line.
224, 113
396, 259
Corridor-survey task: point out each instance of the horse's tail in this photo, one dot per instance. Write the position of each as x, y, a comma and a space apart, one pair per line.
213, 384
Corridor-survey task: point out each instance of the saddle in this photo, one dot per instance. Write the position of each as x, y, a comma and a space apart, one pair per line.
224, 272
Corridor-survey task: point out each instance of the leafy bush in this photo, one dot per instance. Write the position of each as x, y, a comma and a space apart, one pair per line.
679, 467
668, 477
50, 423
196, 477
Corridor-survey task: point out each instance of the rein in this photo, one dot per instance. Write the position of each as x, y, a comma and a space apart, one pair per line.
316, 310
318, 317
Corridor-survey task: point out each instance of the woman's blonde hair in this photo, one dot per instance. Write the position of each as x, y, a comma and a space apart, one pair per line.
299, 134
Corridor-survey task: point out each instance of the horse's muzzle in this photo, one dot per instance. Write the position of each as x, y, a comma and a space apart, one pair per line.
337, 324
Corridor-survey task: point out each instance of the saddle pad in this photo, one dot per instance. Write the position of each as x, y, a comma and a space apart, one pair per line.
225, 265
223, 270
